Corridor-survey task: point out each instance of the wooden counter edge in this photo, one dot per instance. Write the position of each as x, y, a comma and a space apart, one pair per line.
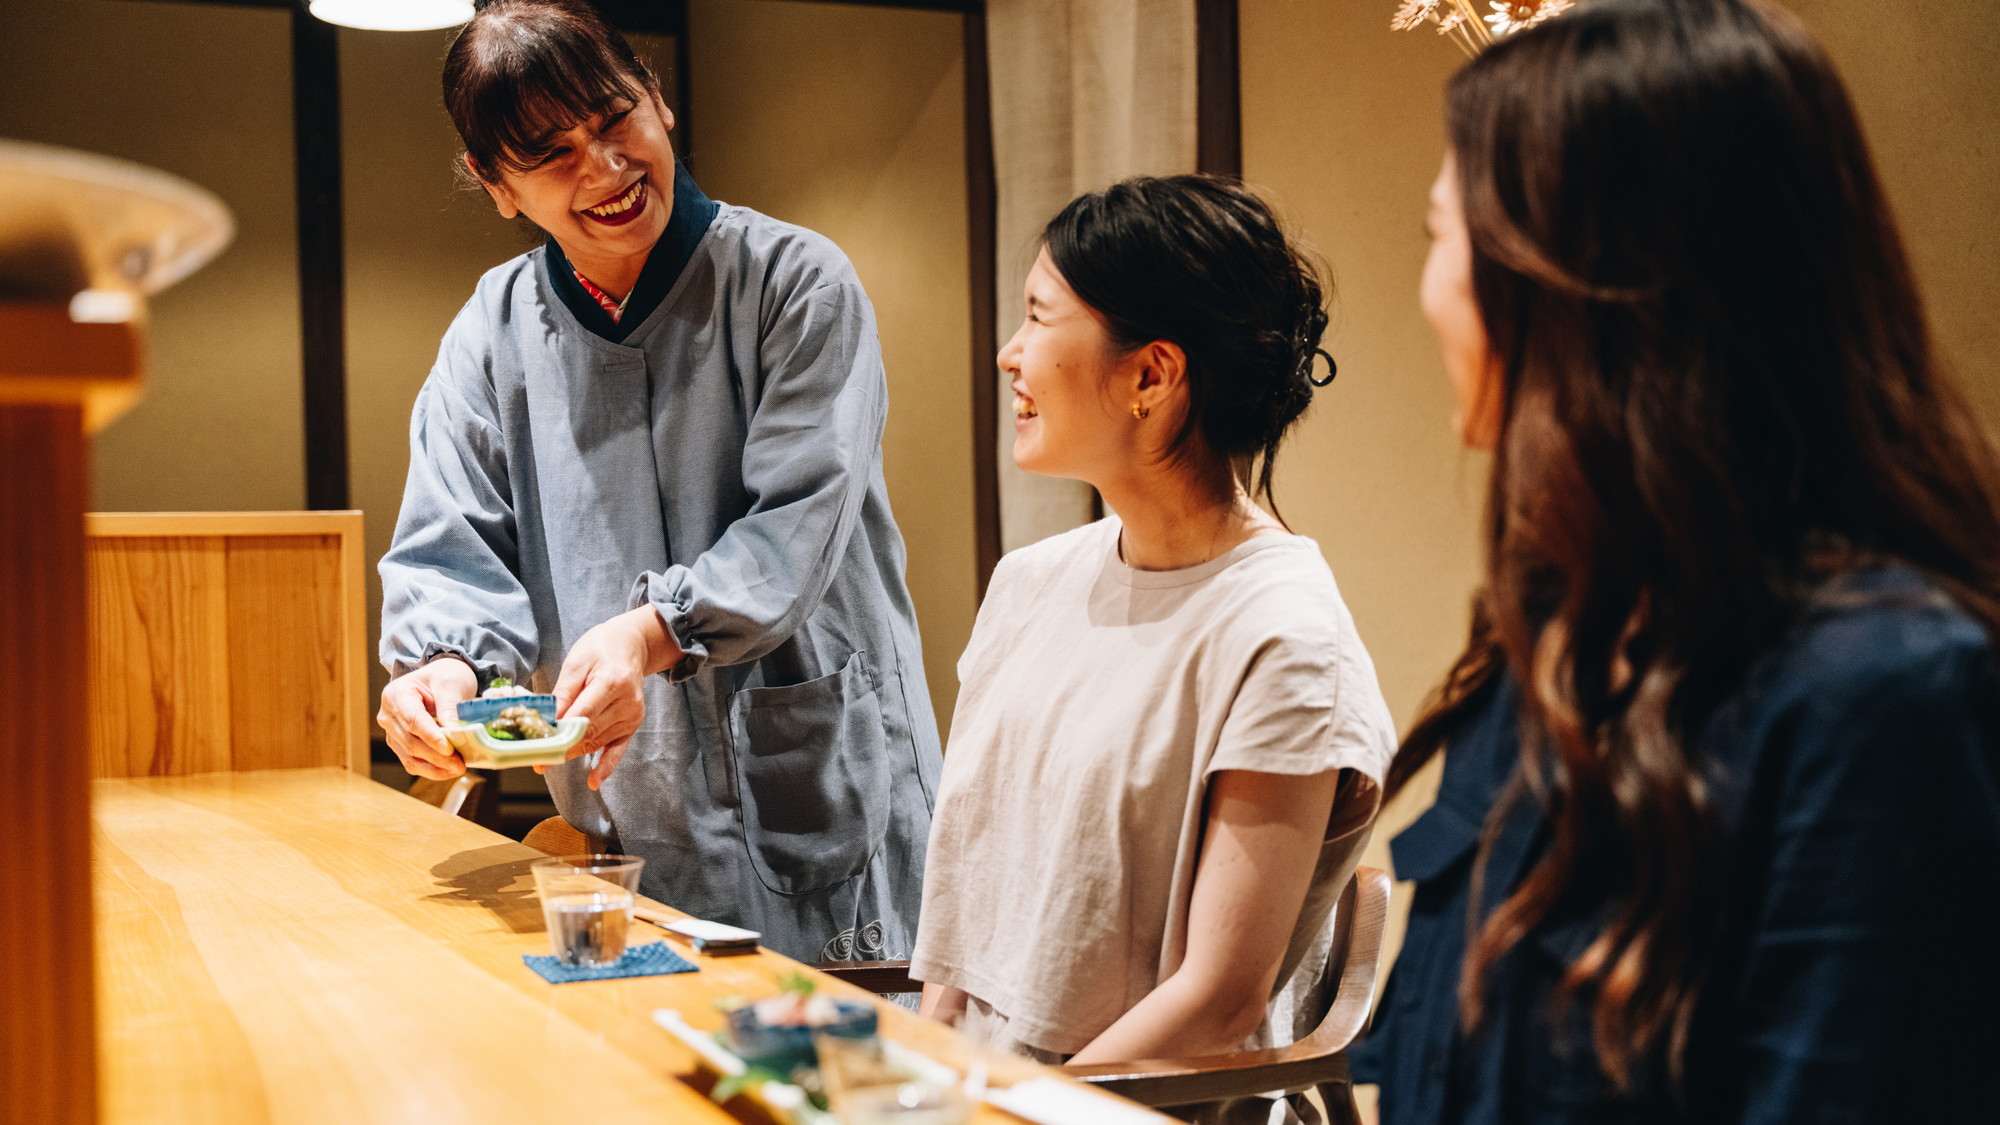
135, 524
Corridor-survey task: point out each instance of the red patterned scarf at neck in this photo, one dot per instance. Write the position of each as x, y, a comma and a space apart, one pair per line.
613, 309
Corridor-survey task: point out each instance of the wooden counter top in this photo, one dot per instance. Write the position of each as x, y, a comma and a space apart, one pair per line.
310, 946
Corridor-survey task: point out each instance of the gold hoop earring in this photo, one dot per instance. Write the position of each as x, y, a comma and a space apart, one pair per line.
1140, 412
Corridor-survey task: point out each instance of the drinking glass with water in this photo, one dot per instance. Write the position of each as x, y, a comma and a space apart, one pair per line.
587, 905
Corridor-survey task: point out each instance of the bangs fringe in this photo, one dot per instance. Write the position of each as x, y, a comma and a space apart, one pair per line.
525, 73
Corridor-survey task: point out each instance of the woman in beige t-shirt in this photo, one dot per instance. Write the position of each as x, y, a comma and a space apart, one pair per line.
1164, 759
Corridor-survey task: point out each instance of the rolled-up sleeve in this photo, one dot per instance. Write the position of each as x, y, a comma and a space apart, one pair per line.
449, 581
812, 448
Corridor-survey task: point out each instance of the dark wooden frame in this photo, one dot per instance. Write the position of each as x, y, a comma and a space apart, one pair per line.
982, 223
316, 151
1218, 88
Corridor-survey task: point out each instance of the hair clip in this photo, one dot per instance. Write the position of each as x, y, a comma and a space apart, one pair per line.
1332, 369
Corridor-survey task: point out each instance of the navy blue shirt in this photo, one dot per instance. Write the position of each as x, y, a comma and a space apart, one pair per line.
1857, 779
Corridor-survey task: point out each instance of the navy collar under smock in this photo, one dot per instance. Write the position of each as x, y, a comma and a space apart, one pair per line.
692, 214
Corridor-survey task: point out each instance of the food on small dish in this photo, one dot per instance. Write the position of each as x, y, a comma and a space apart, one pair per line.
520, 722
801, 1053
776, 1034
513, 730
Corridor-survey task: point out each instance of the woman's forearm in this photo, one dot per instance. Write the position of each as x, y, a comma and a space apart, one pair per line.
1259, 849
942, 1003
1184, 1016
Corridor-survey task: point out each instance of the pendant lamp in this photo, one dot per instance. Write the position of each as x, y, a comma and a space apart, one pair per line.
393, 15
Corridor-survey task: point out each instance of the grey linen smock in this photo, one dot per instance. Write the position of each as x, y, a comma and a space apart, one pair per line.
723, 465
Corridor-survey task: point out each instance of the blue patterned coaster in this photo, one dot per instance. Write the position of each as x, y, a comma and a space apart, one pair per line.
650, 960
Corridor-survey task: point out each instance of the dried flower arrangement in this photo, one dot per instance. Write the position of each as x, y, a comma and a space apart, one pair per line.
1460, 19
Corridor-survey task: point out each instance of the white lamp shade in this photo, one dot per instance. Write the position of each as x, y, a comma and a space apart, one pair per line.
393, 15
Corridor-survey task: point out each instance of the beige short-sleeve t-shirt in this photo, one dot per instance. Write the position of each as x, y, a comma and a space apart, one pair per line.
1094, 702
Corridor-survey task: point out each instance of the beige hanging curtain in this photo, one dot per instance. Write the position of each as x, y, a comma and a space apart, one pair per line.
1085, 93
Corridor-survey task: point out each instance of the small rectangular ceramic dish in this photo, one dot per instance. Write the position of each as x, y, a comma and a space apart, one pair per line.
785, 1102
479, 747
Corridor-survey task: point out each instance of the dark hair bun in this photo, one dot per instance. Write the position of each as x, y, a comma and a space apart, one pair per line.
1202, 262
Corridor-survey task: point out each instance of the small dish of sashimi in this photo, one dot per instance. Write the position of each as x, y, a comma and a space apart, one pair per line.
507, 727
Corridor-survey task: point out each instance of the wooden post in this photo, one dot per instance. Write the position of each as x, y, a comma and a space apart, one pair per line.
982, 219
55, 377
1218, 89
322, 255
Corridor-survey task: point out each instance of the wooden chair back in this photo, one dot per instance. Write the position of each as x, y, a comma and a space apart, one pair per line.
226, 641
459, 796
1319, 1059
556, 836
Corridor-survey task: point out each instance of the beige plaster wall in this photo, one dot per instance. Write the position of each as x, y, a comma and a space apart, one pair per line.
1341, 132
1926, 76
1342, 128
204, 92
850, 121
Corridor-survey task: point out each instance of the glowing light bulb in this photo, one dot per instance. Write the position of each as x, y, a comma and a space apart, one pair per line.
393, 15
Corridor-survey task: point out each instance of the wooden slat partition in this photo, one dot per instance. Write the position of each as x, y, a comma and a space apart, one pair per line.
226, 641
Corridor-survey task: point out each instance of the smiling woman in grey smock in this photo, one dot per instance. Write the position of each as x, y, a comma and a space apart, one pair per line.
718, 458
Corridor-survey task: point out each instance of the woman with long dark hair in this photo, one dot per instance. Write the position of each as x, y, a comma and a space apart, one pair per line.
1168, 741
1718, 837
646, 475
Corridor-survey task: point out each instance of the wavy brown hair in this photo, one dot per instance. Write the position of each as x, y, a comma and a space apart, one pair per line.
1718, 392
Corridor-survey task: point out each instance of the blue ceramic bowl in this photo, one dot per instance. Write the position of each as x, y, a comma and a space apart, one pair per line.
781, 1049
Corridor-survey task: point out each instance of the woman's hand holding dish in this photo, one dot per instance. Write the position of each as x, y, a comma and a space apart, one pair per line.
411, 705
603, 680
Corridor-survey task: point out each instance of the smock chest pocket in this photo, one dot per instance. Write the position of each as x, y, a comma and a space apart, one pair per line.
811, 761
